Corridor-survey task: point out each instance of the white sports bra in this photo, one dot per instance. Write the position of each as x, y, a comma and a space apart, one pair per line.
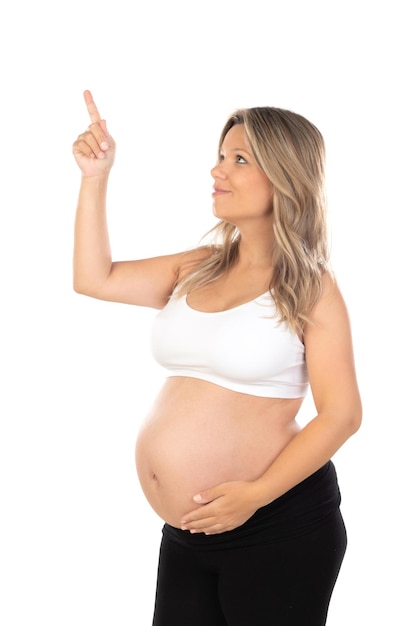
242, 348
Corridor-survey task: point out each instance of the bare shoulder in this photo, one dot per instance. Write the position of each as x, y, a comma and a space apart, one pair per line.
187, 261
328, 329
331, 307
195, 255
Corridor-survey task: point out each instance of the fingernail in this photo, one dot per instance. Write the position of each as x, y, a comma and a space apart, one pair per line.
197, 498
101, 155
104, 145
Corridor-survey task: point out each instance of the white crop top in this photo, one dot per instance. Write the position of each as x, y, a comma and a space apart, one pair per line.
242, 349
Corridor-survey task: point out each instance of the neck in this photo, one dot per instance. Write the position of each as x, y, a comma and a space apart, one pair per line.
255, 249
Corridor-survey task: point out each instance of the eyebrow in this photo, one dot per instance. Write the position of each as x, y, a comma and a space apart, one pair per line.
238, 150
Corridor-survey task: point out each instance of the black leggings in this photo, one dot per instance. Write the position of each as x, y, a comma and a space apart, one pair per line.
277, 569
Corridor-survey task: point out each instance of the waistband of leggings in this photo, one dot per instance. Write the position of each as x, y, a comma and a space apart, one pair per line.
301, 509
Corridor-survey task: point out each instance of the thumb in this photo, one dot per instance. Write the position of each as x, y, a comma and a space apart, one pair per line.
206, 496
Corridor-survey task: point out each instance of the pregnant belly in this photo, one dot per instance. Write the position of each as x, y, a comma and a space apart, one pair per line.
185, 447
176, 460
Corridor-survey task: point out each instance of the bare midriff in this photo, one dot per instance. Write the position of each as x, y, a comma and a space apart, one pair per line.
198, 435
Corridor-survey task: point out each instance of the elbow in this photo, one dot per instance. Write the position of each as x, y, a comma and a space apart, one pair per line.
354, 419
355, 423
78, 284
92, 290
82, 288
78, 287
344, 420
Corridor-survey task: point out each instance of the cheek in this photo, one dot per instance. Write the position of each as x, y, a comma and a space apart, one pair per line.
262, 196
268, 196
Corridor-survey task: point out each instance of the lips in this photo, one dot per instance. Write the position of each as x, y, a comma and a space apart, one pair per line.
219, 191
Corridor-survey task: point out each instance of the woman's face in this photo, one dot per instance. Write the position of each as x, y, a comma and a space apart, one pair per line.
241, 190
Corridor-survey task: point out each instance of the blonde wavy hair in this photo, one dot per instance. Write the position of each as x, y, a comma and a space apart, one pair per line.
290, 151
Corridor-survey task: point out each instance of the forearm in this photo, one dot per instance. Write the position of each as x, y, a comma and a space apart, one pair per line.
92, 254
310, 449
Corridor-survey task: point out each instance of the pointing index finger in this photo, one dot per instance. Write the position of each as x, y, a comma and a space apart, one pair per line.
91, 107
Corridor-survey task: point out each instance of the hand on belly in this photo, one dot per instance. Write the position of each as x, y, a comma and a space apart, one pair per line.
222, 508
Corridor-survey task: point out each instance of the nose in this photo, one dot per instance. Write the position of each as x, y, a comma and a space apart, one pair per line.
218, 171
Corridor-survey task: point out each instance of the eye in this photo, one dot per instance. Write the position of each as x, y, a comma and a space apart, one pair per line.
240, 159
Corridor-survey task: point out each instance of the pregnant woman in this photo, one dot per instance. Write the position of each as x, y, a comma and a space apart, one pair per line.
253, 534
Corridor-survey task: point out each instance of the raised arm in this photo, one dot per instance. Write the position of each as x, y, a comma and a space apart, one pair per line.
146, 282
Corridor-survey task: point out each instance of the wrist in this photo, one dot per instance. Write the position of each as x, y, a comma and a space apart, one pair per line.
258, 494
94, 184
263, 492
95, 178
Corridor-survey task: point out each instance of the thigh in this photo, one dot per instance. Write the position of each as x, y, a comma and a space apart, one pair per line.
187, 591
287, 583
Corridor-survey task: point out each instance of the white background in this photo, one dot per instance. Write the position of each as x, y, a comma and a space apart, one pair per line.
78, 542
